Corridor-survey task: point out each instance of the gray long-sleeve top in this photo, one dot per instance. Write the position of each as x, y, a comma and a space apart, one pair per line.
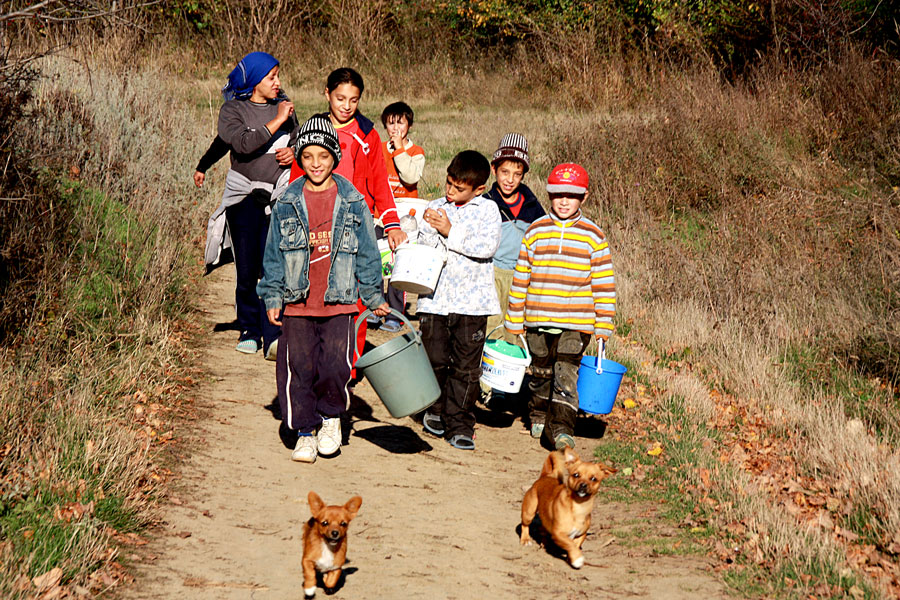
242, 125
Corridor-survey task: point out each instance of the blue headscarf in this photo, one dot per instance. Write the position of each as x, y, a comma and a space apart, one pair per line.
249, 72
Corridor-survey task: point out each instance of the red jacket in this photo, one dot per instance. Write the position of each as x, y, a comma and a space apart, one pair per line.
369, 173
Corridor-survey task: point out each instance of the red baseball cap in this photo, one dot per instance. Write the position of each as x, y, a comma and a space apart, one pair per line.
568, 178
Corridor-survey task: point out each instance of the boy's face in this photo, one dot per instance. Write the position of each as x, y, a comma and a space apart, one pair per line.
397, 126
567, 204
318, 163
343, 102
459, 192
509, 174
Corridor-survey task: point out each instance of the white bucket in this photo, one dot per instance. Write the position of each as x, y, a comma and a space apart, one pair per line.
416, 268
499, 369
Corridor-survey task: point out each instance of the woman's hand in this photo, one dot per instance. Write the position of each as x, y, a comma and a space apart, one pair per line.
284, 156
273, 314
383, 310
199, 178
285, 110
396, 237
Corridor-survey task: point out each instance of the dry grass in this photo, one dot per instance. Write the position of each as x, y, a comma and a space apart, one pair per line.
750, 224
92, 378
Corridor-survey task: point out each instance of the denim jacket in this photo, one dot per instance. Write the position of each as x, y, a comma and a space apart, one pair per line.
355, 260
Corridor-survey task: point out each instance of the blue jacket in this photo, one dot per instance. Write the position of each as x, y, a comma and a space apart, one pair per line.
355, 260
512, 229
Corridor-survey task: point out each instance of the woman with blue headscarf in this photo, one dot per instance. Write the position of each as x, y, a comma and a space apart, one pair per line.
257, 122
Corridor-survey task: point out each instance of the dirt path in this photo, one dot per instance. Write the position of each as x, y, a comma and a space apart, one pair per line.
436, 522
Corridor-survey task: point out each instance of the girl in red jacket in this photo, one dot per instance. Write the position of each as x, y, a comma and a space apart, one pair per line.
361, 161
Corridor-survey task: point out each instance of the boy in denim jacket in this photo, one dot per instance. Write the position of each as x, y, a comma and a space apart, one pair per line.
320, 258
454, 317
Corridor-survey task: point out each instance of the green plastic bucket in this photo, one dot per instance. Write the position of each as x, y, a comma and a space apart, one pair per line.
399, 371
503, 364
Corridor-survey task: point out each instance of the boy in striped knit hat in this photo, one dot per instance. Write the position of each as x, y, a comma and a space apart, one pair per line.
563, 292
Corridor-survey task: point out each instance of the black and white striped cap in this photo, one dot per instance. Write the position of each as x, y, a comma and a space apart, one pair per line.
318, 131
513, 146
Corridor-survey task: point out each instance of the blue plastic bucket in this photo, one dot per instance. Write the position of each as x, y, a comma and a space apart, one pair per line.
597, 389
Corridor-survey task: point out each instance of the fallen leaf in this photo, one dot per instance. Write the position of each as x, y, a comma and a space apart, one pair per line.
627, 471
184, 534
629, 403
655, 451
48, 580
54, 593
704, 477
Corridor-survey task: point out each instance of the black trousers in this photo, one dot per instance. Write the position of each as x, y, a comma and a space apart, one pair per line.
454, 344
555, 358
312, 369
248, 224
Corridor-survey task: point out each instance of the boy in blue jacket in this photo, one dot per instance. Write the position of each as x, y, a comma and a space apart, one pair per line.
320, 259
519, 208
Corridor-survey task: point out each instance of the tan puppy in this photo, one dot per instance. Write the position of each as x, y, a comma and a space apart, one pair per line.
563, 497
325, 541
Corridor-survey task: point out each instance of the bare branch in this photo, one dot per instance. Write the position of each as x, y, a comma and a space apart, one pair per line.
67, 11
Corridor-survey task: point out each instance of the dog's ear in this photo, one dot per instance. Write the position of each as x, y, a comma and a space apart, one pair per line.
315, 503
607, 469
570, 456
353, 505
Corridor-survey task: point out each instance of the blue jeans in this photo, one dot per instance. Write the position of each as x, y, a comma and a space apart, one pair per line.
248, 224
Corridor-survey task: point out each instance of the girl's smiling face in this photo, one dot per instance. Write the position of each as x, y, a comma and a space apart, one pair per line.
343, 102
268, 88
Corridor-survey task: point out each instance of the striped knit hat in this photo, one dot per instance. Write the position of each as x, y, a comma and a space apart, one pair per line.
513, 146
568, 178
318, 131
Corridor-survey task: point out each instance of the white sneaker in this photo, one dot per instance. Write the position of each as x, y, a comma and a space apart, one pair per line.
272, 352
305, 450
329, 436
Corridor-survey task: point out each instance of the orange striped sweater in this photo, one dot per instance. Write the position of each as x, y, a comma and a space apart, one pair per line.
563, 278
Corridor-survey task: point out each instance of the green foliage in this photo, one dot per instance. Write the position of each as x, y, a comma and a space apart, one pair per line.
813, 366
44, 536
108, 252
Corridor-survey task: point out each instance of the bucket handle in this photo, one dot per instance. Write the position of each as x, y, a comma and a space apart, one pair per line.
441, 247
361, 319
601, 354
521, 337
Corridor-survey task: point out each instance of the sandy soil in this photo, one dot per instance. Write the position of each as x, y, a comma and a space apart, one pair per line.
436, 522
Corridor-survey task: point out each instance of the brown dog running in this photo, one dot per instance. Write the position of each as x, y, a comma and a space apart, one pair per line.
563, 497
325, 541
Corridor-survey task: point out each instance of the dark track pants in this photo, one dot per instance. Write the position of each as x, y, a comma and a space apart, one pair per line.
312, 369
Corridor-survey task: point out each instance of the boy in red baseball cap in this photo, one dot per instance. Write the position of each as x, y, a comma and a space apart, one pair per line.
563, 292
